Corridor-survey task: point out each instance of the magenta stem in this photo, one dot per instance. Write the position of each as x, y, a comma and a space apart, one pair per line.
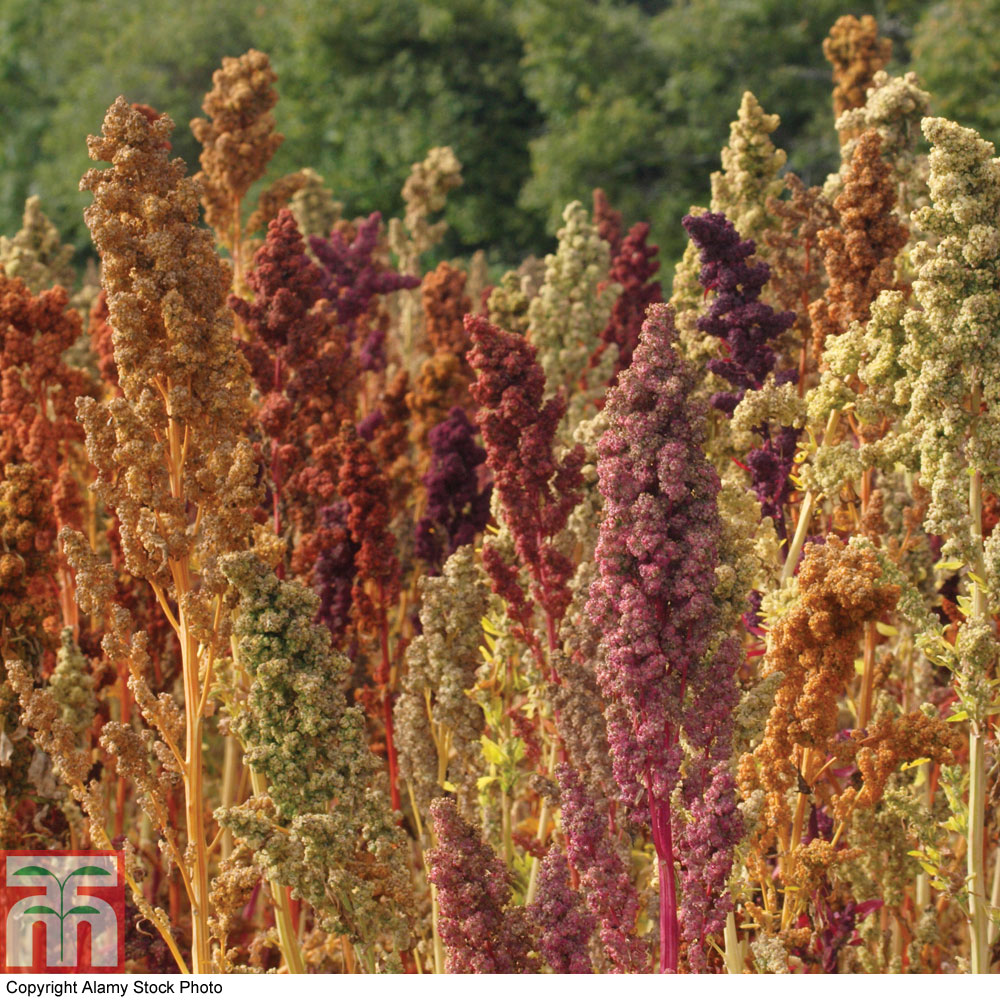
664, 844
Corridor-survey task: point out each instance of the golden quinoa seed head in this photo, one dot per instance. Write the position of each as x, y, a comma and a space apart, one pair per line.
238, 138
172, 443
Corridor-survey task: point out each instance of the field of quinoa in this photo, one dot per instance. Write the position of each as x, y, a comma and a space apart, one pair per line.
402, 613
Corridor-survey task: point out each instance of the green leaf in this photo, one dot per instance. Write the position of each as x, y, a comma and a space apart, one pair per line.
83, 909
89, 870
41, 909
485, 781
958, 716
886, 630
34, 870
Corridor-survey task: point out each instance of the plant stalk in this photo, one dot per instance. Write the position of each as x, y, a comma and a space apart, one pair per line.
543, 822
805, 512
194, 814
994, 934
664, 844
979, 961
734, 949
287, 936
230, 783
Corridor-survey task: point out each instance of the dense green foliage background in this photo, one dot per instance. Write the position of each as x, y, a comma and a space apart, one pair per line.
542, 100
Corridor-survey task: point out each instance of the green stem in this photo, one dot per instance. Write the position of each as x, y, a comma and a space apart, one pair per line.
508, 838
62, 919
367, 958
995, 902
287, 937
976, 879
923, 897
976, 857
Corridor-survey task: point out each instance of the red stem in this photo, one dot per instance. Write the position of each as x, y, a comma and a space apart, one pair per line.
664, 844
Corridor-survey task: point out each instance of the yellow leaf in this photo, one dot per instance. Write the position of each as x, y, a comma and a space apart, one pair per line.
491, 751
915, 763
949, 565
958, 716
886, 630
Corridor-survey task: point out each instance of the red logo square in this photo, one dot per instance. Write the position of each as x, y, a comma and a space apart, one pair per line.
62, 911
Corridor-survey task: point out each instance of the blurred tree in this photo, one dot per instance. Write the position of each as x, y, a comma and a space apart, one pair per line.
595, 71
542, 100
27, 102
368, 87
956, 52
640, 104
78, 59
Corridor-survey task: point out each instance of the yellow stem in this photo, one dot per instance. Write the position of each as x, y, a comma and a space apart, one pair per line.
230, 779
207, 683
787, 908
868, 676
161, 599
194, 803
82, 795
805, 511
734, 949
438, 945
543, 822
